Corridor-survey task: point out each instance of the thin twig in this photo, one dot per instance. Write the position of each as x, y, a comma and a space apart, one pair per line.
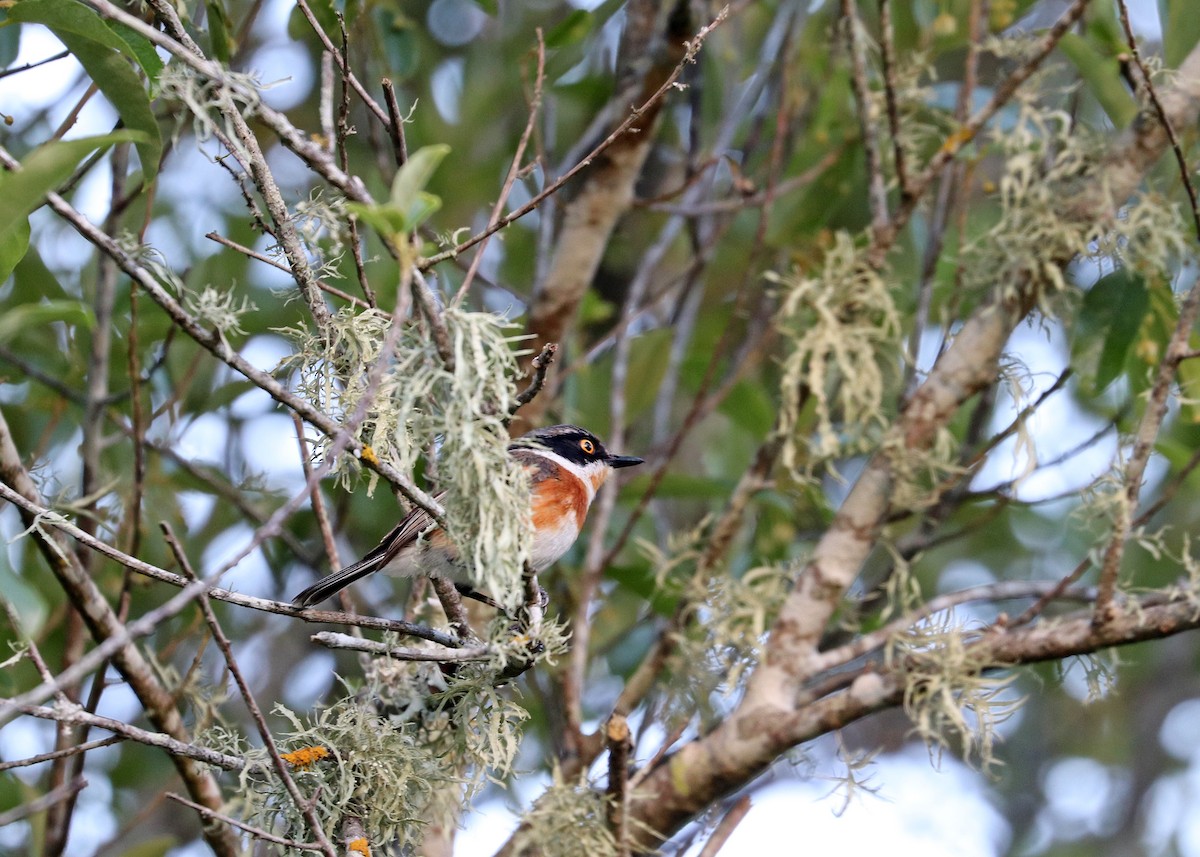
725, 828
343, 66
620, 744
1144, 440
334, 640
1005, 590
953, 144
876, 184
452, 606
48, 518
256, 832
888, 57
693, 47
279, 266
5, 72
68, 751
514, 170
76, 714
395, 123
541, 363
1185, 173
50, 799
218, 633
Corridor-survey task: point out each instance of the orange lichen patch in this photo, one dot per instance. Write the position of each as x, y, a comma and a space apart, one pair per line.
305, 756
368, 455
360, 845
957, 140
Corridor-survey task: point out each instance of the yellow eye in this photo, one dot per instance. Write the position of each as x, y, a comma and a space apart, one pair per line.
587, 446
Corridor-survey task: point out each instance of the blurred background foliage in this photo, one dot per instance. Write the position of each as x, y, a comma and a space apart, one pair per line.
1100, 778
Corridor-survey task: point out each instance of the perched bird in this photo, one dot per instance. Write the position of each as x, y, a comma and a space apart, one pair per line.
566, 466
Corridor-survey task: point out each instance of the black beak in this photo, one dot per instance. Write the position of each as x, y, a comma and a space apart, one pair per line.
624, 460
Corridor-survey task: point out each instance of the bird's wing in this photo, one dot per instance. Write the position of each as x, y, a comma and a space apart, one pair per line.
403, 534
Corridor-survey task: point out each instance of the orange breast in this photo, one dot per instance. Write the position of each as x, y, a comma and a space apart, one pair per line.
556, 498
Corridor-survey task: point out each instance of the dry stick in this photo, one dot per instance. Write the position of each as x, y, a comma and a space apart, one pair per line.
726, 827
514, 169
396, 124
68, 122
76, 714
1005, 590
260, 257
955, 142
541, 363
35, 655
260, 722
330, 617
5, 72
620, 745
181, 45
1177, 351
325, 100
428, 304
951, 191
113, 636
69, 751
334, 640
692, 48
213, 343
343, 132
452, 605
1147, 433
354, 836
1185, 173
755, 200
602, 510
876, 184
54, 797
67, 769
256, 832
318, 500
888, 56
343, 65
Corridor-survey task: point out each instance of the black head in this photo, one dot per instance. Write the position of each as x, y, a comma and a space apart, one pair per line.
576, 445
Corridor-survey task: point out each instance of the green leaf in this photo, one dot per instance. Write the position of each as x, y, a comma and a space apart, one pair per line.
572, 30
220, 30
384, 219
1113, 308
1103, 78
17, 319
67, 16
1180, 27
157, 846
408, 188
10, 45
14, 244
103, 54
44, 169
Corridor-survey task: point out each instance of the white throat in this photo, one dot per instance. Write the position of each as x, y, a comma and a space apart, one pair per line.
592, 475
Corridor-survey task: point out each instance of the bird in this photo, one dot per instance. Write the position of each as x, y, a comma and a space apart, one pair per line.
566, 466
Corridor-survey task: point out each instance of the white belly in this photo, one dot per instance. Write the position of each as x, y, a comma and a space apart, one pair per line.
549, 545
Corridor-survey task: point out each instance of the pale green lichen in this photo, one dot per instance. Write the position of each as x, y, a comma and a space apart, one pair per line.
421, 406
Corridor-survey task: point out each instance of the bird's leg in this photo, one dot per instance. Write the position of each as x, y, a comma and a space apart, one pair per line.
466, 591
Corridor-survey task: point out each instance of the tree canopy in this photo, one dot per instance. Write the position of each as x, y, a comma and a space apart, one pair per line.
897, 300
